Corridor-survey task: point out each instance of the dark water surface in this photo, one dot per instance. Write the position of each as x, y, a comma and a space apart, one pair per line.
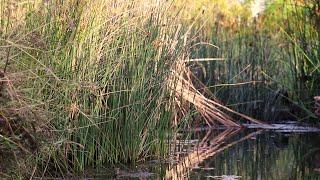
232, 154
269, 155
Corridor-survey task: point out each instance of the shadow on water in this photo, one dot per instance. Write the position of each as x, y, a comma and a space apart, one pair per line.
268, 155
232, 154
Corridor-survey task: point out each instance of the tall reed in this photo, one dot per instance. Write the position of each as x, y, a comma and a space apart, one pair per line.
261, 58
97, 69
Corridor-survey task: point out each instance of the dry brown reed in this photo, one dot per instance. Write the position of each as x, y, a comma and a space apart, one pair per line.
182, 83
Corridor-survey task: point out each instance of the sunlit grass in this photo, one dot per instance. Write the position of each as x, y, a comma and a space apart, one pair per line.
98, 69
95, 78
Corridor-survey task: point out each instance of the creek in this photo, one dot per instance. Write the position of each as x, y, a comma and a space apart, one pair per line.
248, 153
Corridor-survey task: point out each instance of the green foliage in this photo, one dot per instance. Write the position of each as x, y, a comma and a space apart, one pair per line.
276, 50
100, 79
96, 71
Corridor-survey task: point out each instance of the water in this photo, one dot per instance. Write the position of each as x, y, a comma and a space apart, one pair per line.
269, 155
232, 154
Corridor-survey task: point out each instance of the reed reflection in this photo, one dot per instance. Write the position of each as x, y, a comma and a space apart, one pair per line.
210, 145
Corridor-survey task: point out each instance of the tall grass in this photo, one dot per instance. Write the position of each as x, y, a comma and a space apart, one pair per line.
302, 31
113, 67
97, 70
94, 78
272, 55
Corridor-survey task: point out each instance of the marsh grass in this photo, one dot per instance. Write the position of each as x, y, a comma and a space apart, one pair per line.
107, 82
96, 69
98, 78
106, 74
273, 54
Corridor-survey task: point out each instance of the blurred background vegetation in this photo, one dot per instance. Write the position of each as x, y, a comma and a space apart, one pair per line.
270, 52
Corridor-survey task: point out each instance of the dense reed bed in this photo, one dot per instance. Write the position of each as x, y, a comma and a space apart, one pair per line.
94, 76
90, 83
94, 82
269, 62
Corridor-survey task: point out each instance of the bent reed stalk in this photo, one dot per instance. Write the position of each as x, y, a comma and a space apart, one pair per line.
102, 79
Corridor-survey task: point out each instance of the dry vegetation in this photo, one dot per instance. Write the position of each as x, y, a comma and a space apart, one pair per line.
87, 83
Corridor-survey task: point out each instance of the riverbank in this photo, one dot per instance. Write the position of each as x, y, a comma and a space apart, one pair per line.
89, 83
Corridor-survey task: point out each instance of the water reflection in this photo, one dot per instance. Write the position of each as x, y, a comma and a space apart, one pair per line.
233, 154
209, 146
269, 155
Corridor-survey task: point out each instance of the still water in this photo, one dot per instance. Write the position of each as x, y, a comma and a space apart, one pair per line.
232, 154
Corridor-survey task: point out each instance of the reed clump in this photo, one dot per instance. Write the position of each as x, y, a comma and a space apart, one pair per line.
95, 69
273, 52
99, 77
104, 82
